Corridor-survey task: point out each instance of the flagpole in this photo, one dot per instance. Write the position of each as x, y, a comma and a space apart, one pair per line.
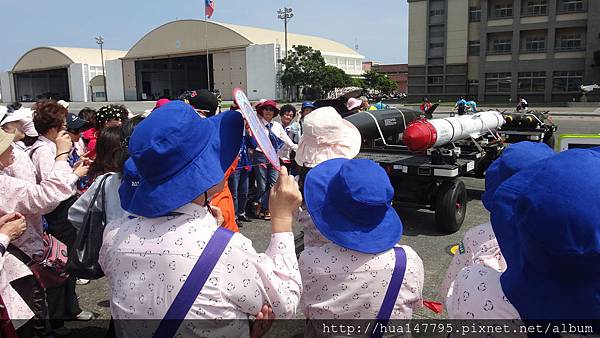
206, 41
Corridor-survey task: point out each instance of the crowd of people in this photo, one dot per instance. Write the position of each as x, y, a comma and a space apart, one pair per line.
174, 188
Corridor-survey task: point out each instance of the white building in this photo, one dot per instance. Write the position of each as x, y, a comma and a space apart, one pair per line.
57, 72
172, 59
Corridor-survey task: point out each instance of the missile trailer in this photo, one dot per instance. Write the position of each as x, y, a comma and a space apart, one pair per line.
534, 126
427, 179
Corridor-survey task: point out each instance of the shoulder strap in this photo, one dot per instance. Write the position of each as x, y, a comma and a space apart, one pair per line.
193, 285
385, 312
33, 151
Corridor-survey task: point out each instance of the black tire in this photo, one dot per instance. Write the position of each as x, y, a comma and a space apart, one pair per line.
451, 205
550, 140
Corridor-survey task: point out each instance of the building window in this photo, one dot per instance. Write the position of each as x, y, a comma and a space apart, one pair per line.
435, 80
497, 82
532, 82
436, 45
502, 46
436, 12
535, 44
436, 61
570, 42
568, 6
504, 11
474, 48
436, 31
567, 81
474, 14
536, 7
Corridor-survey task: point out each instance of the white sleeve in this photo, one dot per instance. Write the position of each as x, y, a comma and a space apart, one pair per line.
271, 278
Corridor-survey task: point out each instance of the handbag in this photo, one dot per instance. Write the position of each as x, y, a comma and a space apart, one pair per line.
50, 271
83, 256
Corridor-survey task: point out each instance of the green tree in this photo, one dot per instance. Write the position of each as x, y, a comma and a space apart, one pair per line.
373, 80
302, 68
331, 78
358, 82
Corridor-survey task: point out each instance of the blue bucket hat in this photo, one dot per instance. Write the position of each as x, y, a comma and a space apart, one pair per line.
308, 104
551, 241
514, 158
130, 180
350, 203
175, 156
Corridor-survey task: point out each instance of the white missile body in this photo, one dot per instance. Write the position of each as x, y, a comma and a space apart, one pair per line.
424, 134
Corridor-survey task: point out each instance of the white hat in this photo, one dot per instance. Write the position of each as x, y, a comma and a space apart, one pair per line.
326, 135
63, 103
24, 116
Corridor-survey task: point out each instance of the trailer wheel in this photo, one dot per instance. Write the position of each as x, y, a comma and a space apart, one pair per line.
451, 205
549, 139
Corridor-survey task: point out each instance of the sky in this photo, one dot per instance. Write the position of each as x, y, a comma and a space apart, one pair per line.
380, 27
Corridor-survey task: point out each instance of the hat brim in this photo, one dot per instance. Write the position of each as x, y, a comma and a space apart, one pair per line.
6, 141
528, 290
339, 229
29, 129
77, 125
206, 170
310, 154
525, 283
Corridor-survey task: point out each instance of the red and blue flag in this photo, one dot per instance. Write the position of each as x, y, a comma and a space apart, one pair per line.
209, 8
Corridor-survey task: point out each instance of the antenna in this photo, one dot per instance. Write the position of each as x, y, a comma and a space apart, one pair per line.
356, 44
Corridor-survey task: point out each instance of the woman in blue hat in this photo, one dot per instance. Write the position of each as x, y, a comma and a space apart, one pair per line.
479, 244
169, 259
355, 267
546, 221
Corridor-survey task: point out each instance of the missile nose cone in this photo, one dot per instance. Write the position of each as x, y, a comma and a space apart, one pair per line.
419, 136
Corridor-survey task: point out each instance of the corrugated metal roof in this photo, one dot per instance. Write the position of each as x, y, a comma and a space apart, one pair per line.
187, 36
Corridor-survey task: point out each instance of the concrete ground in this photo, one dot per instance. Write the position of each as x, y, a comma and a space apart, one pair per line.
420, 232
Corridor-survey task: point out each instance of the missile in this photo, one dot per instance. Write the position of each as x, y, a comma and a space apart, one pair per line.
390, 123
424, 134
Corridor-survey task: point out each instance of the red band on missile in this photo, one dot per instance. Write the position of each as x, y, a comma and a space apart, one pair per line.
419, 135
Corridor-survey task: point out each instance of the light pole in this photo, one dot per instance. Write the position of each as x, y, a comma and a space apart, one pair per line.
285, 14
100, 41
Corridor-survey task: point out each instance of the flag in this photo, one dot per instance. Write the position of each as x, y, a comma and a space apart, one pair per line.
210, 8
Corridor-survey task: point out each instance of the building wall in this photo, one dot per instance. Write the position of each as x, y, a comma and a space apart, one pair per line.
537, 70
350, 64
592, 60
7, 87
550, 61
129, 80
78, 86
417, 32
261, 72
457, 32
114, 80
396, 72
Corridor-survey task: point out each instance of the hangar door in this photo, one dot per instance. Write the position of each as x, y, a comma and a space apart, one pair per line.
32, 86
171, 77
230, 72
